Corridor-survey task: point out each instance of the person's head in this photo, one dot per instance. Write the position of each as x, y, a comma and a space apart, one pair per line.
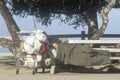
55, 45
54, 42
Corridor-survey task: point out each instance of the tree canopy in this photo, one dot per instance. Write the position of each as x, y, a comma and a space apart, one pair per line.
46, 10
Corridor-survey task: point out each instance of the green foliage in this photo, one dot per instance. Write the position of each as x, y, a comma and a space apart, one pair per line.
47, 10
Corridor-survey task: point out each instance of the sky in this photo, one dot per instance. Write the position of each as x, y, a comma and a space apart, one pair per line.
60, 28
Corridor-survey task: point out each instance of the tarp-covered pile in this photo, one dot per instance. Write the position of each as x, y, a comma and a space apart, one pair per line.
82, 55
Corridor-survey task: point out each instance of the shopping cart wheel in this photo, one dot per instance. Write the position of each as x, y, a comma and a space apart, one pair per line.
17, 66
43, 66
17, 71
43, 69
33, 72
36, 70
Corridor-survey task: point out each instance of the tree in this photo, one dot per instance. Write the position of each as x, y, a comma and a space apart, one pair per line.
104, 13
12, 45
44, 9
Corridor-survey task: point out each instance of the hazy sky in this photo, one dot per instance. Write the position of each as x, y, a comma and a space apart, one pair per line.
57, 28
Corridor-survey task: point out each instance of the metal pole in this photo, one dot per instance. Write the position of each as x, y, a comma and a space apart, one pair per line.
82, 35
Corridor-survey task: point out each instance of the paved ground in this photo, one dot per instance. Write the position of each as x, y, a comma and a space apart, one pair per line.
7, 72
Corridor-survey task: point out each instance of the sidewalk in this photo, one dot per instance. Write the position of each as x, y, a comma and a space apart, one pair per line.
8, 72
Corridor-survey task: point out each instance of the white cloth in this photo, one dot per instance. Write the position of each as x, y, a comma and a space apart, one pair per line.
54, 53
41, 37
32, 43
29, 44
39, 58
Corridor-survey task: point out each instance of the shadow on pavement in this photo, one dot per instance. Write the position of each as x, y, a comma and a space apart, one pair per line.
110, 69
76, 69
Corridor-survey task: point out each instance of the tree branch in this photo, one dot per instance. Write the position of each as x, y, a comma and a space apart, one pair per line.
104, 13
11, 24
7, 43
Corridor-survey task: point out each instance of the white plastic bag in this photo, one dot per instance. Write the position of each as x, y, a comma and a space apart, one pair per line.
33, 42
29, 45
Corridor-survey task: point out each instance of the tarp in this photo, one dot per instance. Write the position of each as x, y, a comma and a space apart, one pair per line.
82, 55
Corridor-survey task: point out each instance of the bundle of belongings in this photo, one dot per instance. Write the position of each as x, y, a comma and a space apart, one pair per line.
82, 55
36, 43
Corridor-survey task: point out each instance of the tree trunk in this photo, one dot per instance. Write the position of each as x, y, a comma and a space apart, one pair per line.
104, 13
91, 20
11, 26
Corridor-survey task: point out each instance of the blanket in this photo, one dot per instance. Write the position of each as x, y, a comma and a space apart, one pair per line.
82, 55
